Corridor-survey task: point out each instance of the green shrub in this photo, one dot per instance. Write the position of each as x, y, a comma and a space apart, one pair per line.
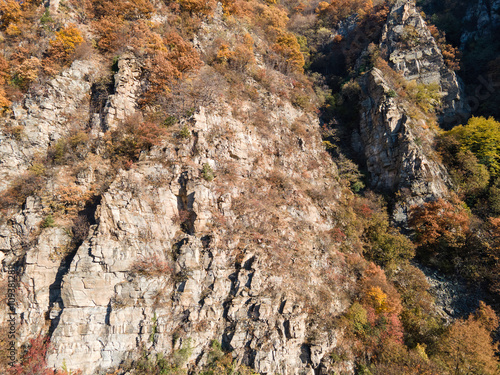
185, 133
208, 172
181, 356
427, 97
48, 222
481, 136
170, 121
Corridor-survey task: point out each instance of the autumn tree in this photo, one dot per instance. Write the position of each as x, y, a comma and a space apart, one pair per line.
4, 68
204, 7
468, 348
422, 326
383, 244
288, 48
451, 55
112, 20
62, 48
337, 10
439, 225
481, 136
127, 142
469, 175
169, 61
11, 13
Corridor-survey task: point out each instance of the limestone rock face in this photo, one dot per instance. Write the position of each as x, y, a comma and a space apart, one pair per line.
45, 115
175, 260
396, 137
411, 49
484, 16
398, 148
122, 103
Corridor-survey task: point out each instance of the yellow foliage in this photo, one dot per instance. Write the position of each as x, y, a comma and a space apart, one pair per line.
62, 48
288, 47
224, 54
378, 299
10, 11
273, 18
67, 39
13, 30
4, 102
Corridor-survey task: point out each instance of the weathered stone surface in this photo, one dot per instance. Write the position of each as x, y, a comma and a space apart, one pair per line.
482, 19
398, 148
216, 287
395, 137
123, 102
411, 49
44, 115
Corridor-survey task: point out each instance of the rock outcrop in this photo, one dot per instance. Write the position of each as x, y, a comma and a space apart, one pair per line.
123, 102
47, 113
175, 260
398, 148
411, 49
213, 285
482, 19
396, 136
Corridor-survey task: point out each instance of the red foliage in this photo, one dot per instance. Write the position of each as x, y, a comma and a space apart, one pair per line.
33, 361
440, 223
451, 55
134, 137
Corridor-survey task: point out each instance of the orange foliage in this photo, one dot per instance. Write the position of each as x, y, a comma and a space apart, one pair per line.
4, 67
337, 10
28, 71
374, 321
440, 223
67, 39
467, 347
451, 55
62, 48
126, 9
205, 7
11, 13
240, 57
111, 19
375, 286
133, 137
169, 61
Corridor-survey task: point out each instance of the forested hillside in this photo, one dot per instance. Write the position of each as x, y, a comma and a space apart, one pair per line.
249, 187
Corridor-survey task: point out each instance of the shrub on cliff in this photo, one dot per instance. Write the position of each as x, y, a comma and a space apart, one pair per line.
440, 224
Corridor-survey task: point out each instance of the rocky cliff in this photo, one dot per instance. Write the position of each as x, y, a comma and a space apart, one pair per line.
397, 136
177, 258
482, 19
231, 225
411, 49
